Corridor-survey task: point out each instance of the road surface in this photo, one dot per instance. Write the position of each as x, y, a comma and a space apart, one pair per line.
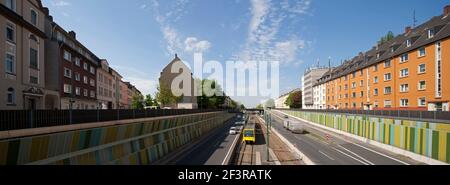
327, 148
212, 150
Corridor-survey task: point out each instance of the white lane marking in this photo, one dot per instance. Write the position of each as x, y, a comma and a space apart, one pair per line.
356, 155
230, 150
323, 153
381, 154
258, 158
350, 156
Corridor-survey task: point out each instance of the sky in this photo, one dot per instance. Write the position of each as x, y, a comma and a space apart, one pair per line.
140, 37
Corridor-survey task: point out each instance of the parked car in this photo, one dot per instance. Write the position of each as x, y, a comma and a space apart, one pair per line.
233, 131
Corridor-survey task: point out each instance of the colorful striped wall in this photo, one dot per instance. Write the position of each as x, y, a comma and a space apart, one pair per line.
424, 138
130, 144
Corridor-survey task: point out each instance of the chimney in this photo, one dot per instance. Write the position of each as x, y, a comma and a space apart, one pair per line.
46, 11
73, 34
446, 10
408, 30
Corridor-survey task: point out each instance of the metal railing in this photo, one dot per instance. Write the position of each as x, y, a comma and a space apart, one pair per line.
25, 119
437, 116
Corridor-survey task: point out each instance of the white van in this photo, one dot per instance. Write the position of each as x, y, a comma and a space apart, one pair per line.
294, 126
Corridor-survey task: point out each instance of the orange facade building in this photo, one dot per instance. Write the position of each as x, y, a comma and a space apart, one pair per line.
409, 72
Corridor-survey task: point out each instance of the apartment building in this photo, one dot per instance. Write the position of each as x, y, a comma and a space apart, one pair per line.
105, 88
167, 77
22, 52
405, 73
309, 79
71, 68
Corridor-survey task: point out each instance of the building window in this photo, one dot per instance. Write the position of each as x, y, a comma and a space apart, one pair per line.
422, 102
77, 76
422, 52
85, 66
10, 64
387, 90
375, 92
404, 102
362, 94
92, 70
34, 80
11, 97
353, 85
375, 80
430, 33
67, 56
10, 33
404, 58
375, 68
408, 43
67, 88
404, 73
67, 73
387, 103
85, 79
34, 17
92, 82
11, 4
92, 94
361, 72
392, 49
422, 68
387, 63
404, 88
422, 85
85, 93
375, 104
77, 91
387, 77
361, 83
77, 61
353, 95
33, 58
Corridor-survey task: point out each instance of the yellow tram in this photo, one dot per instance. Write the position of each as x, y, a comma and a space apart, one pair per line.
249, 134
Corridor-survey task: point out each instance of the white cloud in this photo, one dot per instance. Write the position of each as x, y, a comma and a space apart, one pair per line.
60, 3
172, 39
143, 6
192, 44
138, 78
265, 39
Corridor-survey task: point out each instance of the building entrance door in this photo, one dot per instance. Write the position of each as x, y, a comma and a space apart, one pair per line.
31, 104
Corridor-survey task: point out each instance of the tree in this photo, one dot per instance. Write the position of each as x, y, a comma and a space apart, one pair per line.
294, 101
165, 96
149, 101
260, 106
388, 37
137, 102
269, 104
242, 106
210, 102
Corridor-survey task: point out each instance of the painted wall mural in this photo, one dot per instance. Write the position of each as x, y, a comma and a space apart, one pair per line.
130, 144
424, 138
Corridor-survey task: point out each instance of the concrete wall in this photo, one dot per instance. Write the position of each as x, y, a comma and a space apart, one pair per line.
142, 142
427, 139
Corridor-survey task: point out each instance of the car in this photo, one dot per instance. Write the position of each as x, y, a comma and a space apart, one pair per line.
233, 131
286, 117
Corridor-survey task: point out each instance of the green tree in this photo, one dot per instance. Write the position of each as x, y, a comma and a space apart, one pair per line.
137, 102
210, 102
149, 101
242, 106
260, 106
388, 37
165, 96
294, 101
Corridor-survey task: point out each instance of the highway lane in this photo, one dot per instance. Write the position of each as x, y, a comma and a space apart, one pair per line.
336, 149
212, 150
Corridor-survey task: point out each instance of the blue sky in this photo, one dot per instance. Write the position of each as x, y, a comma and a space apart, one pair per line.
140, 37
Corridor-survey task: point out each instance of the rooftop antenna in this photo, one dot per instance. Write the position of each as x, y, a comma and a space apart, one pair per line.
329, 62
318, 63
414, 19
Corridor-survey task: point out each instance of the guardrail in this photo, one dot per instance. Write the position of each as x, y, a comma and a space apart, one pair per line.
25, 119
405, 114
